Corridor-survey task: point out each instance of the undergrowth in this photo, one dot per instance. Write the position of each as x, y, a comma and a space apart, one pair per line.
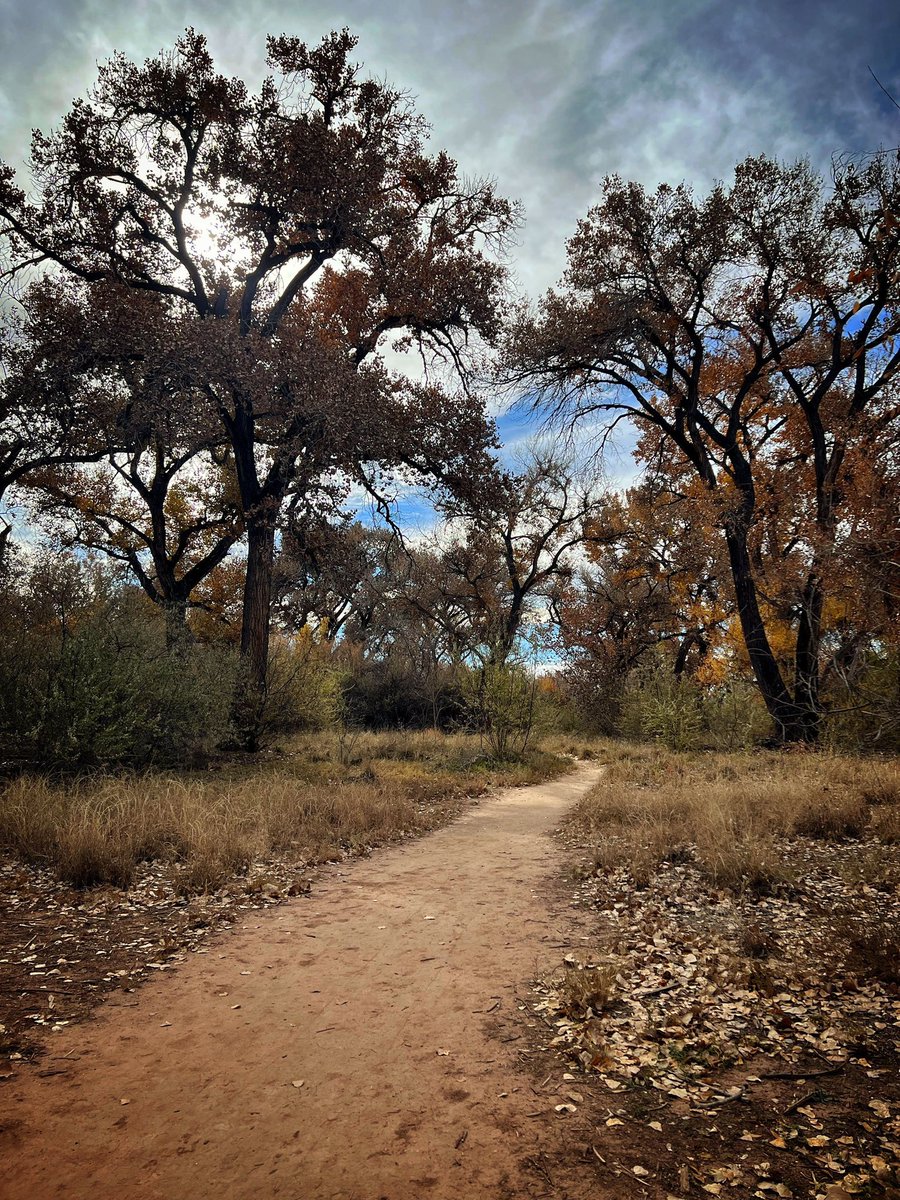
732, 813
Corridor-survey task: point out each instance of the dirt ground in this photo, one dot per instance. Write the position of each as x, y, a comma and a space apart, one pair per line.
342, 1045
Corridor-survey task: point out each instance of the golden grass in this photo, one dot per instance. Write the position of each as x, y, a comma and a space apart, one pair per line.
322, 797
731, 813
586, 991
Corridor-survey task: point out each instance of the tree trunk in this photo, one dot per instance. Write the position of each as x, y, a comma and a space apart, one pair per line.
793, 722
690, 639
178, 636
255, 628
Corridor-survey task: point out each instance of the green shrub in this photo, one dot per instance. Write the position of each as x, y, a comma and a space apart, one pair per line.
501, 701
86, 679
661, 707
304, 685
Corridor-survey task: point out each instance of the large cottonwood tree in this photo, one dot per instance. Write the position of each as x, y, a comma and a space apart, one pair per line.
754, 338
298, 225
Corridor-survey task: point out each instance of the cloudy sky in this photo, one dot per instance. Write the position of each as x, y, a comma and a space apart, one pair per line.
545, 96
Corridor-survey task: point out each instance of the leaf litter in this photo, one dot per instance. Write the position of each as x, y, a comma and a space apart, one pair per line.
63, 950
722, 1062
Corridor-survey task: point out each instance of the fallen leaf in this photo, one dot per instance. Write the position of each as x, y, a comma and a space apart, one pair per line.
297, 1083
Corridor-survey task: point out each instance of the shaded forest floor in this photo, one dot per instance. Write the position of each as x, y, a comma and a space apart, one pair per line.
726, 1019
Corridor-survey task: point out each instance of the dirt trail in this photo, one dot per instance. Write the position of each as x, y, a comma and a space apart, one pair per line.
372, 991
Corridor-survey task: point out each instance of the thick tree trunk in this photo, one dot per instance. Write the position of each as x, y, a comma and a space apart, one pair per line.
255, 628
261, 503
178, 636
793, 721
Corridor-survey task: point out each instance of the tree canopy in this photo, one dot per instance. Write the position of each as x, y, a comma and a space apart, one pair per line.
286, 232
752, 337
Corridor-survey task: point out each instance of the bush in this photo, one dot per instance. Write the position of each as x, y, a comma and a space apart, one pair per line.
304, 685
867, 709
86, 679
501, 703
665, 708
394, 692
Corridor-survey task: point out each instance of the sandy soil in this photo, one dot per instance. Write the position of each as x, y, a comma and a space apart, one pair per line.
337, 1046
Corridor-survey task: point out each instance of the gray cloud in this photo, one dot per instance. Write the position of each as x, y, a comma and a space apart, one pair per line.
546, 96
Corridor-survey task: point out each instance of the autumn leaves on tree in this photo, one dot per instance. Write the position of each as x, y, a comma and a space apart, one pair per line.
752, 338
270, 241
193, 379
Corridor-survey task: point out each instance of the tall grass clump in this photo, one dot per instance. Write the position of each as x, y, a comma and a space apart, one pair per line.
98, 830
730, 813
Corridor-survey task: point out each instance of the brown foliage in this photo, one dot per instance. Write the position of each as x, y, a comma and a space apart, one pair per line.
226, 208
752, 337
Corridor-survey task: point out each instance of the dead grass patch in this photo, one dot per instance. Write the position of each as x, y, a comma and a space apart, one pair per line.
316, 801
733, 812
586, 991
752, 1042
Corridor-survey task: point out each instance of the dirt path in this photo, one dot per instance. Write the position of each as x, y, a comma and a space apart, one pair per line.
372, 992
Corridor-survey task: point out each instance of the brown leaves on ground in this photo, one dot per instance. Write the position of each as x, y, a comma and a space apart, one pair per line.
749, 1042
62, 949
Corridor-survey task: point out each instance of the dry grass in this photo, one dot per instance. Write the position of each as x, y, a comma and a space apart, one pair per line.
322, 797
604, 749
722, 995
586, 991
733, 814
